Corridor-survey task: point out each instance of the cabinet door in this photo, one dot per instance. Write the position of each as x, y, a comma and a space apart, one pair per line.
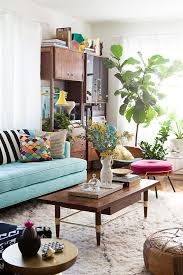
95, 79
62, 64
102, 82
77, 66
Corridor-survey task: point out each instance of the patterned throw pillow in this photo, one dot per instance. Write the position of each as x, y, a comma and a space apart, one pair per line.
57, 142
34, 148
10, 145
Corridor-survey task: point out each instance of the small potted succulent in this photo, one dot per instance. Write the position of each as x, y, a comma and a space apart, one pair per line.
29, 243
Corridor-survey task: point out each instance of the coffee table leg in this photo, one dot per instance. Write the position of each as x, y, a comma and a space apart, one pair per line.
57, 220
145, 203
98, 226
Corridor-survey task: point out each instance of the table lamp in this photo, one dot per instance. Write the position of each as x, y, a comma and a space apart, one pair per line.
67, 106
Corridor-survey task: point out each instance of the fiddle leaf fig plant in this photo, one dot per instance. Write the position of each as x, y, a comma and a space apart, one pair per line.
140, 84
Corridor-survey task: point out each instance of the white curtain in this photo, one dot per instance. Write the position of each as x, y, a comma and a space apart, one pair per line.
20, 98
170, 46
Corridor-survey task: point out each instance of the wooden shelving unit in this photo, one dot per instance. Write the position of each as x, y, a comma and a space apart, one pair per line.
85, 78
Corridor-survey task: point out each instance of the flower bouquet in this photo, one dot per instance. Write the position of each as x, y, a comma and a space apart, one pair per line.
104, 137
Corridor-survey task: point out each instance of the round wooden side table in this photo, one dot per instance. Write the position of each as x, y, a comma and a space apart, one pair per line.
14, 261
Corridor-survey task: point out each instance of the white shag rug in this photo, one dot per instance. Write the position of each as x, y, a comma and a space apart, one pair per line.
121, 250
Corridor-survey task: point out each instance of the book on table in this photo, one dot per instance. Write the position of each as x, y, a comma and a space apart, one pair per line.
126, 179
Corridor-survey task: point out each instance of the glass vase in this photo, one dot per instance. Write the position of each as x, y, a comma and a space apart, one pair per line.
106, 174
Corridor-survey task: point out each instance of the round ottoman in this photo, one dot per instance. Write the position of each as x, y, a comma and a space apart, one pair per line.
150, 166
163, 252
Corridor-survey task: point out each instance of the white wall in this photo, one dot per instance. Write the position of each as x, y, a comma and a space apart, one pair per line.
48, 18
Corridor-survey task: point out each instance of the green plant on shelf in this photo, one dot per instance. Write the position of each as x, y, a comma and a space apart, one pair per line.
61, 121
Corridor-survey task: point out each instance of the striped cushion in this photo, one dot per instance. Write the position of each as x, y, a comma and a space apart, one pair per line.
10, 145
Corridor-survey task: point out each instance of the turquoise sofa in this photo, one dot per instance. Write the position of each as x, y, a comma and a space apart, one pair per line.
24, 181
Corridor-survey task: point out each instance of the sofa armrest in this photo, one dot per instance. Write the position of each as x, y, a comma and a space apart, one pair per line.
67, 151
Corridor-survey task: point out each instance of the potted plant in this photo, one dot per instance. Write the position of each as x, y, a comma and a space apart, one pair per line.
61, 121
177, 142
140, 84
157, 149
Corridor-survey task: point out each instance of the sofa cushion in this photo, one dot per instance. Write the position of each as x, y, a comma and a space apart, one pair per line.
17, 175
34, 148
10, 145
57, 142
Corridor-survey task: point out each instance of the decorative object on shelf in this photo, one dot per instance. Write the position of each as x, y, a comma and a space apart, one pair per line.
62, 99
49, 249
67, 106
104, 137
65, 35
140, 84
29, 243
92, 185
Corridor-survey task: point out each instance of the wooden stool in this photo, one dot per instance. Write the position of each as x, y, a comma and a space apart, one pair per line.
14, 261
163, 252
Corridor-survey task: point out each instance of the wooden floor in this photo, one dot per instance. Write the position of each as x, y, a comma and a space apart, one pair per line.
164, 185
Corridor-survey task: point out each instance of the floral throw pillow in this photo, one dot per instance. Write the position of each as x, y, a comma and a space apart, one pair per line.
34, 148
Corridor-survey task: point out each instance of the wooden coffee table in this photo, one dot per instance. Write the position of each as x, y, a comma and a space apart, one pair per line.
107, 205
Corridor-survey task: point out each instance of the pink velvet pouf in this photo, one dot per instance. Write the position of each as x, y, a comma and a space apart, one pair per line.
153, 168
150, 166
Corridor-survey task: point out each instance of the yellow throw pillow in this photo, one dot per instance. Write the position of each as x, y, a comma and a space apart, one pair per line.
121, 153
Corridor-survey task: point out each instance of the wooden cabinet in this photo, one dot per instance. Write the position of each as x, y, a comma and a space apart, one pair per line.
69, 65
62, 64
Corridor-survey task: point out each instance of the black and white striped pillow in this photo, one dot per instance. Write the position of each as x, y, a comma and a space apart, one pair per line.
10, 145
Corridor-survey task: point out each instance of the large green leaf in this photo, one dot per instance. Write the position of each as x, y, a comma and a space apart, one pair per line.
119, 77
139, 114
117, 51
128, 76
117, 92
124, 93
130, 61
129, 114
157, 60
109, 63
122, 109
150, 114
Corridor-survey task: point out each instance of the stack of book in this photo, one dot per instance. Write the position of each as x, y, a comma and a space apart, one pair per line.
54, 42
126, 179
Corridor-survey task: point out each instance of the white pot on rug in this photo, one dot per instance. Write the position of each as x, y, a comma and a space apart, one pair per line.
177, 146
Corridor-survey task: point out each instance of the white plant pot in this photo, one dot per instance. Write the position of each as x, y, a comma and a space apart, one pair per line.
177, 146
